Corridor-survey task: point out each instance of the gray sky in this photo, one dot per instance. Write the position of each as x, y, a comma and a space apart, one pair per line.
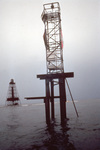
22, 50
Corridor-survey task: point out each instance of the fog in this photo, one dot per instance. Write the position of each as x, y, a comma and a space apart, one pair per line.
22, 50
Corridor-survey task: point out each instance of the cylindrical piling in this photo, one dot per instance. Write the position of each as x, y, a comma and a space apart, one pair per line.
52, 100
62, 99
47, 102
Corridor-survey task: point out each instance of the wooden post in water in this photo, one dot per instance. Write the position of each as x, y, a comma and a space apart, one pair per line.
52, 100
62, 93
47, 102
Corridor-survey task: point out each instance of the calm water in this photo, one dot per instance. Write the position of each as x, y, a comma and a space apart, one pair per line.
23, 128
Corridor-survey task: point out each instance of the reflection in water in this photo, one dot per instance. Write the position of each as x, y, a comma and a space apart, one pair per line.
57, 139
24, 128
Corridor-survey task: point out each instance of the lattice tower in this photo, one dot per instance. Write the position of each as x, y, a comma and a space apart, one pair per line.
12, 96
53, 37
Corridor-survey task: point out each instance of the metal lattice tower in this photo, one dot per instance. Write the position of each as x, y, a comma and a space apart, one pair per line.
53, 38
12, 96
54, 57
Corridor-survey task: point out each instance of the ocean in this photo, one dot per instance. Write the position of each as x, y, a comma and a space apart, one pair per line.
24, 128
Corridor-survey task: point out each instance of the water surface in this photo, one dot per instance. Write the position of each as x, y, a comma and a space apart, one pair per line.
24, 128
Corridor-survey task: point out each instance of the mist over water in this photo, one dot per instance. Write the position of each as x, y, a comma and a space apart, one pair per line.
24, 128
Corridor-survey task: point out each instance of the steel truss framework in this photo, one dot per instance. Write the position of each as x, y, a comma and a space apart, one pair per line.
53, 38
54, 57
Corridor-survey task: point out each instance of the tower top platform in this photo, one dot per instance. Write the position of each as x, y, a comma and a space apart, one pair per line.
12, 81
50, 11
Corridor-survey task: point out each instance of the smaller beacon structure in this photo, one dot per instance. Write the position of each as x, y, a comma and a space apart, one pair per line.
12, 95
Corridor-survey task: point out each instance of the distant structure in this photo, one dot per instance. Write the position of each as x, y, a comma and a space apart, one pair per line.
54, 59
12, 96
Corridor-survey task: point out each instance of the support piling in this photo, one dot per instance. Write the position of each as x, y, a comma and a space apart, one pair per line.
62, 93
52, 100
47, 102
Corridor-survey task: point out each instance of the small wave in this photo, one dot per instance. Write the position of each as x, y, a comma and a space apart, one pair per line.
96, 129
25, 105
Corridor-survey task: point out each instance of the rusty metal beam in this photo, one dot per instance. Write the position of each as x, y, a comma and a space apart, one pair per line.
42, 97
56, 76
